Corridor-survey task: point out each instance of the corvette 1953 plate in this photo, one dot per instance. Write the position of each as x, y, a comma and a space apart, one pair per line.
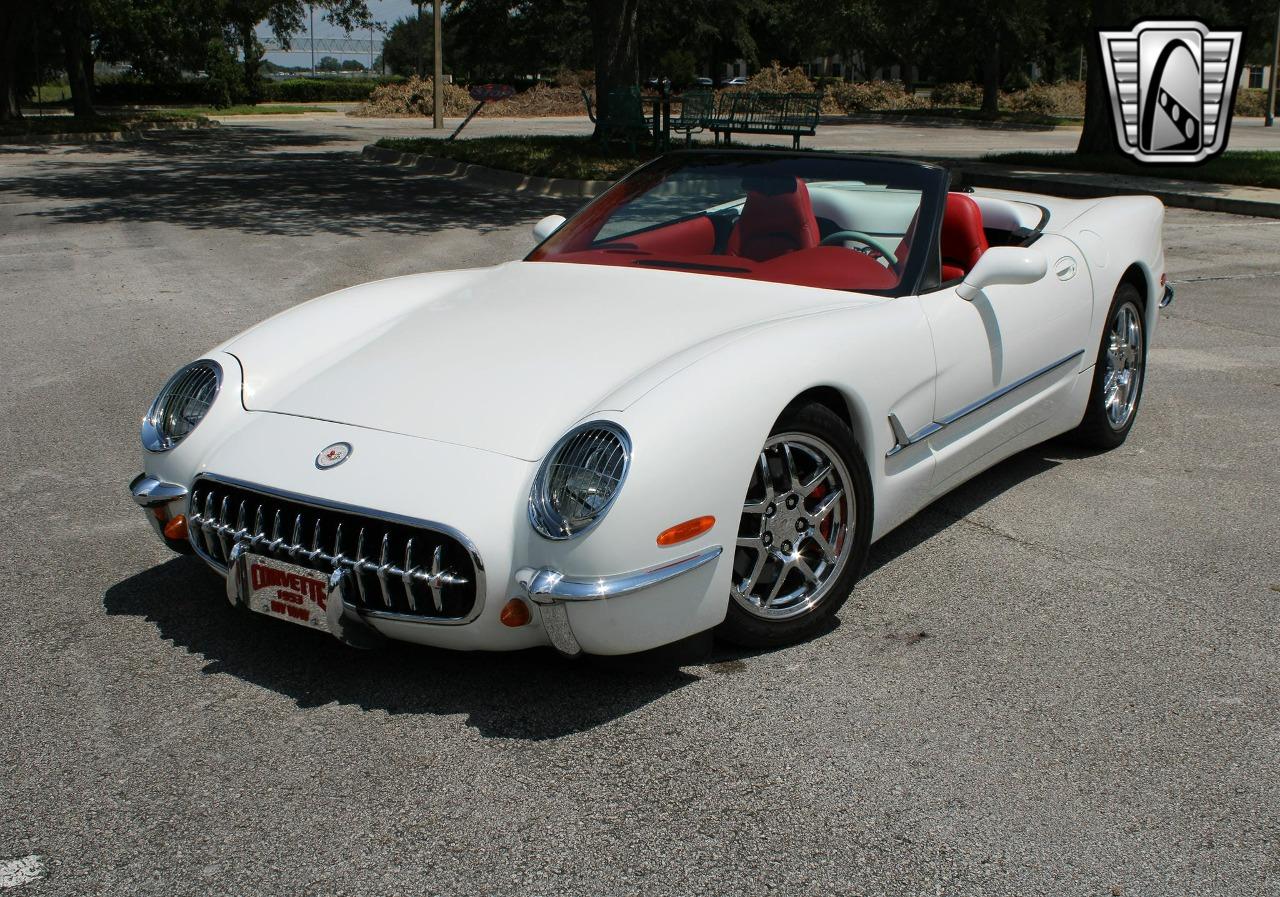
287, 591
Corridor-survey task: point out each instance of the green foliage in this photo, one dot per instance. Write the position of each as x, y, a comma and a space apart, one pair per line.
328, 64
410, 42
322, 90
225, 83
681, 66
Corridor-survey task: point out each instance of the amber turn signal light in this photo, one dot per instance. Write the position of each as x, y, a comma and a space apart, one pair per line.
683, 532
176, 529
515, 613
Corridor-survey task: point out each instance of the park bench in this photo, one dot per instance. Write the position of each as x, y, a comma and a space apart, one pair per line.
794, 114
624, 116
696, 108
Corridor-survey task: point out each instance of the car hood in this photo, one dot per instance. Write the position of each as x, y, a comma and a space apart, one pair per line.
502, 359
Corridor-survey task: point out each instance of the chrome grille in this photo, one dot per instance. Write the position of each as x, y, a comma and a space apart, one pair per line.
395, 567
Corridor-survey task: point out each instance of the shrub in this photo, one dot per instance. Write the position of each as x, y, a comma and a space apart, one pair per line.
414, 96
322, 90
131, 91
874, 96
539, 100
1065, 99
963, 93
776, 79
1251, 102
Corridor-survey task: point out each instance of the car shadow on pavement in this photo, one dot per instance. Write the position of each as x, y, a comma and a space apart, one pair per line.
532, 695
262, 181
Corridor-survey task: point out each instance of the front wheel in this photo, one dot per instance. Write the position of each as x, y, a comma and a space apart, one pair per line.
1118, 374
804, 532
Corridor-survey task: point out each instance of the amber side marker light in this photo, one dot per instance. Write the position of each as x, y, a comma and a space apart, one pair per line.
683, 532
176, 529
515, 613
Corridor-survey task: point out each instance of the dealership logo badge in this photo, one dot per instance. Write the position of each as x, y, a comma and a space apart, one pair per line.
1173, 86
333, 455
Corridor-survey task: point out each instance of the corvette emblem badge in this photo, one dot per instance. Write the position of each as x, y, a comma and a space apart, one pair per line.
1173, 86
333, 455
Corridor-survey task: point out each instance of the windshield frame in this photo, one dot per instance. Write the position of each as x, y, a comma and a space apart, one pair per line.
933, 180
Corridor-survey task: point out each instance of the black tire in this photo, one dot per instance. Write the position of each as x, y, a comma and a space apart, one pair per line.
813, 428
1099, 429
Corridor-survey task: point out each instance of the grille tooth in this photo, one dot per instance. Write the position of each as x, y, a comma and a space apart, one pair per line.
453, 581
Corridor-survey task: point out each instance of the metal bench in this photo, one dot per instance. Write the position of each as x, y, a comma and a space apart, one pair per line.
697, 107
795, 114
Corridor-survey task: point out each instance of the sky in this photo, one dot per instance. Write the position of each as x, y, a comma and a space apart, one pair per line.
385, 12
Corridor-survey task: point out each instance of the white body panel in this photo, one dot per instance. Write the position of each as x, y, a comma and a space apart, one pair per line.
453, 386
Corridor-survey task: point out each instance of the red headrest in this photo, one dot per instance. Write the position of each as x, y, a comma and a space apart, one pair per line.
963, 241
774, 223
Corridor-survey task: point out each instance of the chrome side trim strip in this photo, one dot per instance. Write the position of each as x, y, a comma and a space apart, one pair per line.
150, 492
901, 440
546, 585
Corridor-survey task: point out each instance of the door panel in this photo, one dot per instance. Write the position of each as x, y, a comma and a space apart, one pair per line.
1000, 355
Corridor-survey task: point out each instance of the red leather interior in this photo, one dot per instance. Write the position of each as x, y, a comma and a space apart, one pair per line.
963, 241
775, 223
824, 267
696, 236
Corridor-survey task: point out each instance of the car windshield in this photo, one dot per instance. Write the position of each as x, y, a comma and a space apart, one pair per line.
822, 221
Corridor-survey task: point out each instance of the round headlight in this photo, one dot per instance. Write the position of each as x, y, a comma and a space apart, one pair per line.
579, 480
181, 405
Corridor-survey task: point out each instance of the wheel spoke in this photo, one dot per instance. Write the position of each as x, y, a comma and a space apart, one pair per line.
829, 502
817, 480
754, 575
793, 478
803, 566
828, 552
777, 583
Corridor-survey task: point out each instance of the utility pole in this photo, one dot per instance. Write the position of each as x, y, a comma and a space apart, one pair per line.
370, 49
311, 35
437, 91
1275, 64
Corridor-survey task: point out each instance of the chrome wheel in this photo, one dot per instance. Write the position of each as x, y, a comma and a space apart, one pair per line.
1122, 381
794, 537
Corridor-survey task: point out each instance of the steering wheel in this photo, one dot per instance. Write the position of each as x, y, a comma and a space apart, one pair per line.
841, 235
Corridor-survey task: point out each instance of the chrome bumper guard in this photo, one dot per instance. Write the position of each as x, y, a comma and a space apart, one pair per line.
552, 591
150, 492
1167, 299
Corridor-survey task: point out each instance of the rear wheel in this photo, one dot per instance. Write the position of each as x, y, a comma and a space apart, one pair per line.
1118, 374
804, 530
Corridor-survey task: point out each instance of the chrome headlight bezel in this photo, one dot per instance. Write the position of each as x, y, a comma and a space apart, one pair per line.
156, 435
543, 516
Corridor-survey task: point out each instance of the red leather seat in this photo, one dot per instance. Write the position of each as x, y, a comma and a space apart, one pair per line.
963, 240
775, 223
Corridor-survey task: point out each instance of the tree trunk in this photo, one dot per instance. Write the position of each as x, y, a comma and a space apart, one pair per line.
75, 51
613, 38
991, 80
252, 61
1098, 134
12, 22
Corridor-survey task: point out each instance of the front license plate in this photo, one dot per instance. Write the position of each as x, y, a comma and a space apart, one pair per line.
287, 591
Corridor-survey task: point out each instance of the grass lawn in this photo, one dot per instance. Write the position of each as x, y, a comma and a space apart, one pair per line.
553, 157
1249, 168
971, 114
264, 109
68, 124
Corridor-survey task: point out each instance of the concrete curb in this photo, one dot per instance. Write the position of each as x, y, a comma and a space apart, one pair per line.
129, 134
488, 177
1235, 200
940, 121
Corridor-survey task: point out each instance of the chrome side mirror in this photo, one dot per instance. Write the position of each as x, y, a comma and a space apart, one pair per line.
547, 226
1003, 265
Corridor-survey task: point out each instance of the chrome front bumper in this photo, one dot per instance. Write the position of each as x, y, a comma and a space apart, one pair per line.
553, 591
1166, 299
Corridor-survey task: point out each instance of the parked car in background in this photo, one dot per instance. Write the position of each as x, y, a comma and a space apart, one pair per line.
736, 82
694, 405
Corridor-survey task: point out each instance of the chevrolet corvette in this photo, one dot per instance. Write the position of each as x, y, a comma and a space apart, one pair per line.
693, 406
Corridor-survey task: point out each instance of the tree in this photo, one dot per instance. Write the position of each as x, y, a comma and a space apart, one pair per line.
353, 65
328, 64
408, 42
613, 39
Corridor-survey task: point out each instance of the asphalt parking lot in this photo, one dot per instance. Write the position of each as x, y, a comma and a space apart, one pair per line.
1061, 679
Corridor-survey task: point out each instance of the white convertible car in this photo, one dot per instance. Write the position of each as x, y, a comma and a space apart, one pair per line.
694, 405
